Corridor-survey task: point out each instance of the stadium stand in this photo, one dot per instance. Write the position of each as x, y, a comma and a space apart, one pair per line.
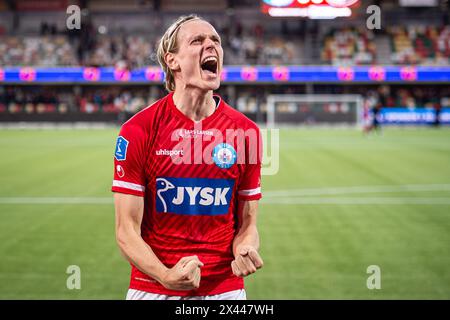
420, 44
37, 50
126, 33
135, 50
349, 46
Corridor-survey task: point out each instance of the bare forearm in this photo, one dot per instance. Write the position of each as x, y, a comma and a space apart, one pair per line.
247, 235
184, 275
246, 242
140, 254
247, 231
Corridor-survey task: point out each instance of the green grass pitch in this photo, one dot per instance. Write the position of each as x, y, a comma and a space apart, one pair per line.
339, 203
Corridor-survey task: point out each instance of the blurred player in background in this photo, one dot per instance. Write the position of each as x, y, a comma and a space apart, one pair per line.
188, 228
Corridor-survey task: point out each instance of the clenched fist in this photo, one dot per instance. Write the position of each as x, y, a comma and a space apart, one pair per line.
246, 261
185, 275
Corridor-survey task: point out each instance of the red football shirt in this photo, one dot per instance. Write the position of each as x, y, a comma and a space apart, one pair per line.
191, 175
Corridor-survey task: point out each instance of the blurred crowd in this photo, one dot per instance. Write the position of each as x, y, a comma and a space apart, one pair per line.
76, 99
99, 48
409, 44
132, 51
117, 99
420, 44
53, 50
408, 97
254, 46
250, 45
349, 46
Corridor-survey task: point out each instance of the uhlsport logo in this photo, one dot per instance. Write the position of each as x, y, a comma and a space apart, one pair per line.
224, 155
193, 196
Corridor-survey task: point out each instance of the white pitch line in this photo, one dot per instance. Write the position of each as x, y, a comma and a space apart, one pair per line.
56, 200
359, 201
279, 201
296, 196
356, 190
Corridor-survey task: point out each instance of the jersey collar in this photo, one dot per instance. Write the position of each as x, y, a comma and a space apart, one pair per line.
209, 119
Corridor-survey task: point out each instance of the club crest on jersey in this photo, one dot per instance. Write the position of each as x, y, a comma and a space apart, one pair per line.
121, 148
193, 196
224, 155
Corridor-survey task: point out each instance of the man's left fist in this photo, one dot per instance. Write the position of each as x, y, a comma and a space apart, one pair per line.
246, 261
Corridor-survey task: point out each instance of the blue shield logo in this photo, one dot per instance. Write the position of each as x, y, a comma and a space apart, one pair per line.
121, 149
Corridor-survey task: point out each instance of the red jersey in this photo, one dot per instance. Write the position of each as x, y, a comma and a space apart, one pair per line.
191, 175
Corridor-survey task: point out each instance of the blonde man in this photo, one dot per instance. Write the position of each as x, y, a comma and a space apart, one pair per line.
187, 179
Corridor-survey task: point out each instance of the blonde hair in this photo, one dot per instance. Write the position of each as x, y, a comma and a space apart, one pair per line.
169, 43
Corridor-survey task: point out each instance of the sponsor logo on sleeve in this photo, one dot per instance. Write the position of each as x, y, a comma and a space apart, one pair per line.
121, 148
120, 171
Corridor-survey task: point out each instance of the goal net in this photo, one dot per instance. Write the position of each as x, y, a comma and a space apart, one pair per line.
314, 109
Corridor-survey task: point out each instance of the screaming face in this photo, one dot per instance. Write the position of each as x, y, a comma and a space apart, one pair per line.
198, 61
209, 65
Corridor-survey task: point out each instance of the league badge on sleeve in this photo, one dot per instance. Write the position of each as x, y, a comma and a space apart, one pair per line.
224, 155
121, 149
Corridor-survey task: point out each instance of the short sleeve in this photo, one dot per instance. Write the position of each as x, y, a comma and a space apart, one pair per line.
250, 183
129, 159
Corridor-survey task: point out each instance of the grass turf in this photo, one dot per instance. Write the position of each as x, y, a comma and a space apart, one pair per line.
318, 235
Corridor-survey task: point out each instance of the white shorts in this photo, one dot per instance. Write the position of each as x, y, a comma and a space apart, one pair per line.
133, 294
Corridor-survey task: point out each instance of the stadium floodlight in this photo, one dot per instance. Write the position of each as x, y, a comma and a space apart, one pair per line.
314, 109
313, 12
313, 9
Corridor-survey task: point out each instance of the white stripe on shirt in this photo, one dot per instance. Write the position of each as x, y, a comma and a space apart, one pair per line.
250, 192
128, 185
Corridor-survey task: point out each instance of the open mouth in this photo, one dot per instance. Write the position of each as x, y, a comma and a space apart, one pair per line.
209, 65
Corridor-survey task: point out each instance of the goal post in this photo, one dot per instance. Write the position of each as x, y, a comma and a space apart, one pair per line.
314, 109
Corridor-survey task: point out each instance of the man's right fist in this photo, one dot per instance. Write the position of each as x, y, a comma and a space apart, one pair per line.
185, 275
